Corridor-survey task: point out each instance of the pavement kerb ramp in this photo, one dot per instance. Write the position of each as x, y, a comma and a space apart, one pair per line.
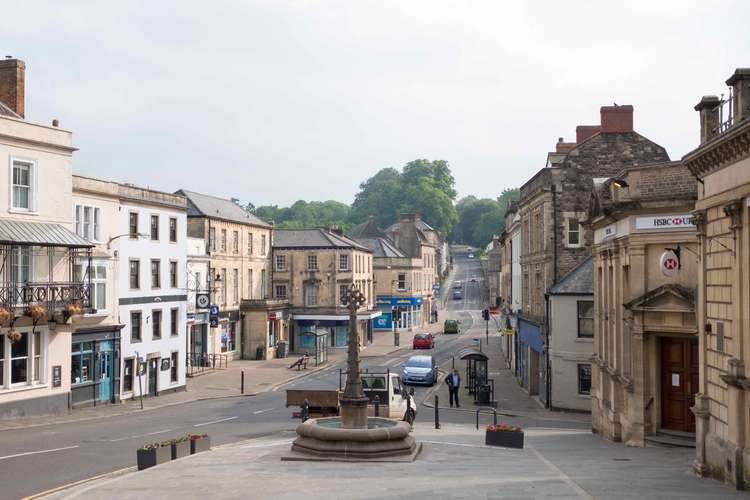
165, 405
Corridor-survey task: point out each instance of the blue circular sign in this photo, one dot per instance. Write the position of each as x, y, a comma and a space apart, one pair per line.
214, 310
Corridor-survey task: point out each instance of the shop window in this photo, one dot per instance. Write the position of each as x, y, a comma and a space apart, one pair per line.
128, 374
343, 262
135, 326
155, 228
585, 318
22, 182
155, 273
574, 233
82, 363
227, 337
156, 323
19, 360
401, 281
280, 291
174, 321
133, 224
174, 367
173, 230
584, 379
135, 274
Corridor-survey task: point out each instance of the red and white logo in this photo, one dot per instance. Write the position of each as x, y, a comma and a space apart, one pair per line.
669, 263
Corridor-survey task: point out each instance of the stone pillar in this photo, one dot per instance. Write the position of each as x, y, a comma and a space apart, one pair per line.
740, 83
637, 434
708, 110
733, 468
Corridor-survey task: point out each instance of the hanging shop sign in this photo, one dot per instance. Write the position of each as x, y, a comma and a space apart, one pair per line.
669, 263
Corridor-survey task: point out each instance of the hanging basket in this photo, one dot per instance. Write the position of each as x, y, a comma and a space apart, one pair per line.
4, 314
73, 309
37, 312
14, 336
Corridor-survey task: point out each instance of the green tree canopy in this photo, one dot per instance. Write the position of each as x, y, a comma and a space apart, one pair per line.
304, 214
479, 219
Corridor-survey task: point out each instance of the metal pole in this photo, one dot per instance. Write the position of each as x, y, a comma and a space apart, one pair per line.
140, 375
242, 382
437, 413
487, 331
377, 405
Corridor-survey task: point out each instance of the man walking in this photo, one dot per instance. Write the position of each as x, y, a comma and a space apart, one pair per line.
453, 380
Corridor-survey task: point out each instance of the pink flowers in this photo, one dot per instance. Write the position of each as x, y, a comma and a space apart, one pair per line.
503, 428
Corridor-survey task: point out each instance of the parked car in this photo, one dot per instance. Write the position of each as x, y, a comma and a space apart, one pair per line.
451, 326
457, 285
473, 279
420, 370
471, 255
423, 341
457, 295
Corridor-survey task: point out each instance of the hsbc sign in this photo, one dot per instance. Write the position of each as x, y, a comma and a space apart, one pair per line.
669, 263
665, 222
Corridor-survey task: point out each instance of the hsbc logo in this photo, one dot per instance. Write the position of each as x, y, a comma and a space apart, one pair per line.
665, 222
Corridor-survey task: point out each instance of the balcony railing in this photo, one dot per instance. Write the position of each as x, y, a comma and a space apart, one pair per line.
52, 295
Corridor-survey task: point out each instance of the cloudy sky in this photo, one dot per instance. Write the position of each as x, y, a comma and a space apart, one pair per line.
273, 101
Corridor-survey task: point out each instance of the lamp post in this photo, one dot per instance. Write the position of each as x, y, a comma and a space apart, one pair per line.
353, 401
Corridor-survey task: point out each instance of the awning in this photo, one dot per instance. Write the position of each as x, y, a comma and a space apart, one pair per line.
17, 232
336, 317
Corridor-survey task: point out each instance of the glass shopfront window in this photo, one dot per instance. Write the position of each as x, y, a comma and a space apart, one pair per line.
128, 375
82, 363
227, 336
339, 336
19, 360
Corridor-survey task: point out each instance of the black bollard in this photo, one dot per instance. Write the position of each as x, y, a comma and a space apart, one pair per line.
242, 382
376, 401
437, 413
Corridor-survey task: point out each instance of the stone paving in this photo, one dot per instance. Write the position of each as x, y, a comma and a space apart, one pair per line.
454, 463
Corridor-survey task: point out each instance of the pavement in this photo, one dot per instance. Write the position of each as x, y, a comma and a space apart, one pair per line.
260, 377
454, 463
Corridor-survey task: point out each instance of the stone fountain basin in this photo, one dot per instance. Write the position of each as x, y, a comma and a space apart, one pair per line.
324, 437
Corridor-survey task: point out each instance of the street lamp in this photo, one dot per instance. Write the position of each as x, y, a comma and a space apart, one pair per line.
136, 235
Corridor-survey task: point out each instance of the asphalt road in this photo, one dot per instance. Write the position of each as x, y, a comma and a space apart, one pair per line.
37, 459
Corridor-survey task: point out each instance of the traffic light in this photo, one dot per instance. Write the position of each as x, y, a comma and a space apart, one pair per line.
486, 314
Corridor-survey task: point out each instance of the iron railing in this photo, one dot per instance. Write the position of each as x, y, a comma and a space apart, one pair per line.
725, 110
53, 295
200, 362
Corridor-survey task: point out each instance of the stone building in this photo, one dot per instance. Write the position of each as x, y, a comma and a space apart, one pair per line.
494, 272
398, 280
645, 335
721, 164
239, 246
553, 208
511, 287
312, 269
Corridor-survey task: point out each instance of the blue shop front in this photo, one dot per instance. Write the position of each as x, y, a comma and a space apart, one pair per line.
306, 330
531, 360
408, 312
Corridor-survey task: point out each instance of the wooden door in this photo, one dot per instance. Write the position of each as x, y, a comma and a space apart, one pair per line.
679, 381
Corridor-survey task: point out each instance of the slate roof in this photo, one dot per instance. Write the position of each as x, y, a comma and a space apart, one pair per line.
579, 281
6, 111
382, 247
368, 229
14, 232
203, 205
313, 238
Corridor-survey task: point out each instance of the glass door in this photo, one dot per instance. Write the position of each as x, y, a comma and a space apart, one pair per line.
105, 370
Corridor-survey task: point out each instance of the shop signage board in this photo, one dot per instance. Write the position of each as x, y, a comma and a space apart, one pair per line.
385, 300
275, 315
56, 376
665, 222
165, 364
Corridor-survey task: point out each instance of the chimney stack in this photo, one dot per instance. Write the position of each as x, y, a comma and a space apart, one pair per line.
740, 83
708, 110
617, 118
583, 132
409, 216
12, 78
564, 147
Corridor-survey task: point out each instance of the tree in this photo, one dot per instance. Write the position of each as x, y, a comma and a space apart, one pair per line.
379, 196
480, 219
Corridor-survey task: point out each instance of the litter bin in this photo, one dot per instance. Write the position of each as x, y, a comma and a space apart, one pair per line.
485, 394
281, 350
259, 353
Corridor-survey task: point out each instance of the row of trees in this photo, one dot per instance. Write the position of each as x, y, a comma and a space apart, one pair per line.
423, 186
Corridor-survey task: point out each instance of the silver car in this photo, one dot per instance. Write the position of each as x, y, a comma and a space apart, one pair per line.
420, 370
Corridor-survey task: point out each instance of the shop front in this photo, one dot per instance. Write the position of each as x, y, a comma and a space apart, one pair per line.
530, 356
94, 365
306, 330
407, 310
197, 324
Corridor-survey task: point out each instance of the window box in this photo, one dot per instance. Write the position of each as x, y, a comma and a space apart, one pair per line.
153, 455
507, 439
199, 443
180, 449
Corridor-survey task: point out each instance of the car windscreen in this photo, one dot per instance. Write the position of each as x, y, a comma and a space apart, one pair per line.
420, 336
419, 363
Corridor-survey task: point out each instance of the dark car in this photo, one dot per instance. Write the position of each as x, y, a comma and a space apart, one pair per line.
457, 295
450, 326
423, 341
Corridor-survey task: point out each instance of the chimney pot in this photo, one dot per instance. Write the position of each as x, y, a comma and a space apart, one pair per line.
617, 119
55, 123
559, 139
12, 79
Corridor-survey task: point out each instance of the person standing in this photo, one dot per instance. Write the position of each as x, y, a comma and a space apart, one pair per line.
453, 380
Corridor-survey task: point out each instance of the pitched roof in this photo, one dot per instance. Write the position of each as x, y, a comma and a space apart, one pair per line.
382, 247
6, 111
314, 238
40, 233
203, 205
579, 281
368, 229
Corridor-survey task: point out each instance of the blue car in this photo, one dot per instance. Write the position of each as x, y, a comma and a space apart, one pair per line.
420, 370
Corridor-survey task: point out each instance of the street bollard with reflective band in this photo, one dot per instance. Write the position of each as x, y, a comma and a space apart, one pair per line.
437, 413
242, 382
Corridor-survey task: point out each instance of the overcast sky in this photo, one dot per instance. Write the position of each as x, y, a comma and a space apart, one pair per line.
275, 101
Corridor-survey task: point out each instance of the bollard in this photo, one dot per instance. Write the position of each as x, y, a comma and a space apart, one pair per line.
437, 413
376, 401
242, 382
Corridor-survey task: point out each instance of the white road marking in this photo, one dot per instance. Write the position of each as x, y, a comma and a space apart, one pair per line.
215, 421
138, 436
258, 412
37, 452
564, 477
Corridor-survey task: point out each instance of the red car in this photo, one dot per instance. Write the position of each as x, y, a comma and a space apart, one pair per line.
423, 341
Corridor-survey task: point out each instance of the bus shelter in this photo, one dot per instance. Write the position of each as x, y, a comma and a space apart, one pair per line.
317, 340
477, 380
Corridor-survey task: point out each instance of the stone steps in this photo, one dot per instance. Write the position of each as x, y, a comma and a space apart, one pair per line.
669, 438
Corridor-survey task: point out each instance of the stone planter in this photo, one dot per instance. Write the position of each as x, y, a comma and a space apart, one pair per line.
155, 456
507, 439
181, 449
199, 445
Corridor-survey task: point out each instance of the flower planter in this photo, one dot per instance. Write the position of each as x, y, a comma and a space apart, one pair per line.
508, 439
154, 456
180, 449
199, 445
